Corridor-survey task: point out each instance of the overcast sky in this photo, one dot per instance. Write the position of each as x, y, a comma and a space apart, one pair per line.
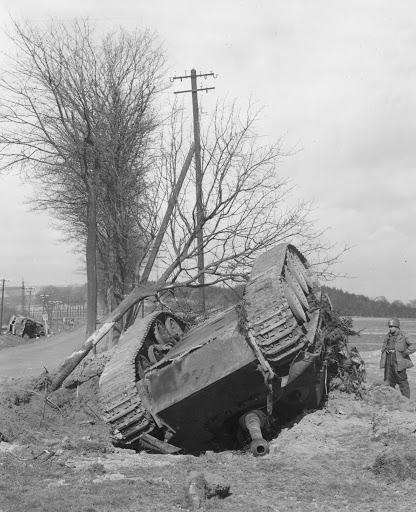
337, 77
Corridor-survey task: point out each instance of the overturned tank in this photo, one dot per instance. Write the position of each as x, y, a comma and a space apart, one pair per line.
229, 381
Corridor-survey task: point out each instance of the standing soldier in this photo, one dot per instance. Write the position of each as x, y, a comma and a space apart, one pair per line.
395, 357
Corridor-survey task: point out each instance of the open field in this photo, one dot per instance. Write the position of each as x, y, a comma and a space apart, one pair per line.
373, 331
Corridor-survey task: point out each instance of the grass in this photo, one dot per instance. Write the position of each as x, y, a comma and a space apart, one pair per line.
323, 483
397, 465
49, 487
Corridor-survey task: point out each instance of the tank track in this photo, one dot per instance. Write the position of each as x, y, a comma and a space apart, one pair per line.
279, 299
121, 404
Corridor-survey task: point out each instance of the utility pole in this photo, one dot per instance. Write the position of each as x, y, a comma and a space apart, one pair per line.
198, 173
23, 298
2, 299
157, 242
45, 317
44, 298
30, 288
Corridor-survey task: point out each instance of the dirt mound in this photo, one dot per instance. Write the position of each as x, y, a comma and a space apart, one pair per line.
28, 417
67, 419
91, 366
381, 394
377, 429
337, 428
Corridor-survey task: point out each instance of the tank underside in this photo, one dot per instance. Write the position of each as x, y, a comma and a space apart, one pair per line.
171, 391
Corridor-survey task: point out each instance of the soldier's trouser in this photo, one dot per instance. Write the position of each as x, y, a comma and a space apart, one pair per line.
393, 377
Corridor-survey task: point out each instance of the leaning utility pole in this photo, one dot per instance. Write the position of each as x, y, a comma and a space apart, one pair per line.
157, 242
173, 199
198, 174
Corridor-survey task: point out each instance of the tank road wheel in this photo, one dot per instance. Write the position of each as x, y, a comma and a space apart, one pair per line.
297, 274
294, 304
154, 354
296, 289
173, 328
301, 267
161, 333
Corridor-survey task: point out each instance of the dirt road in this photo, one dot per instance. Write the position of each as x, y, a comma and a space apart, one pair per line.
30, 360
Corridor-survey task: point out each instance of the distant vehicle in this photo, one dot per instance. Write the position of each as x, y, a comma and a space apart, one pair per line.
22, 325
33, 329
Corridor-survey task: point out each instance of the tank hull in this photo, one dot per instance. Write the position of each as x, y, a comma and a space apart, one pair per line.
197, 391
262, 355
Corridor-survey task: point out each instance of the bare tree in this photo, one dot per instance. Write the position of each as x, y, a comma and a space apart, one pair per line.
247, 205
77, 116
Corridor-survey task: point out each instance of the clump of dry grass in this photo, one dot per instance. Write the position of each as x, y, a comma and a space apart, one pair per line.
396, 465
380, 394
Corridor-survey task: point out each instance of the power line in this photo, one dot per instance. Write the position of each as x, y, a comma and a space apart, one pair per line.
194, 76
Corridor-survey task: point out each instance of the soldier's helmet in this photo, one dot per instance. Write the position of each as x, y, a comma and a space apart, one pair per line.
394, 322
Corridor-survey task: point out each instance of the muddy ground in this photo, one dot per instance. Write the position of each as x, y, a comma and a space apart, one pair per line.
356, 453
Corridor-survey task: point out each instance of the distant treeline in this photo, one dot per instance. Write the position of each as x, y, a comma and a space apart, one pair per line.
345, 303
350, 304
216, 297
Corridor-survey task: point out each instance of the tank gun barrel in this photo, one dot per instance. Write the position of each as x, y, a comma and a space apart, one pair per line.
253, 421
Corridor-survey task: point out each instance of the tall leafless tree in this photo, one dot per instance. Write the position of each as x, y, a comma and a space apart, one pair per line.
77, 117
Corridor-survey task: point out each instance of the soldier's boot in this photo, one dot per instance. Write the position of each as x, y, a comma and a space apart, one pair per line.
403, 383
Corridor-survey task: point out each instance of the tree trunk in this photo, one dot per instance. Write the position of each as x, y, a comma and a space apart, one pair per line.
91, 258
